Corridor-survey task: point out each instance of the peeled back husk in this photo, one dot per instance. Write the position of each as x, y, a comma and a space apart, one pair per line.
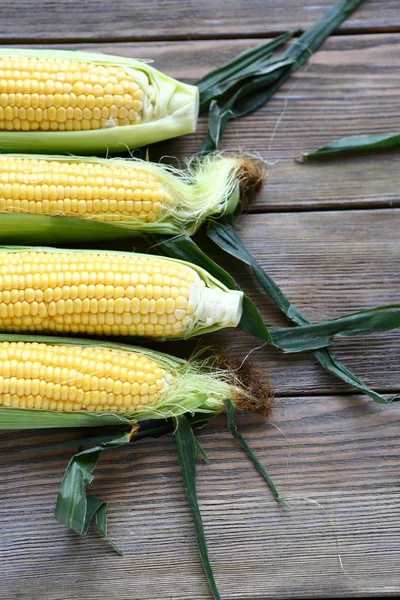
196, 386
106, 292
170, 109
59, 199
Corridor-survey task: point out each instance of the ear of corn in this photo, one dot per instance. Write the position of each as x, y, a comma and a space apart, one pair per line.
66, 382
68, 101
111, 197
49, 290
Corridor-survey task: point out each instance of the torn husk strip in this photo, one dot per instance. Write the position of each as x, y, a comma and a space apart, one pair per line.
200, 385
46, 199
353, 144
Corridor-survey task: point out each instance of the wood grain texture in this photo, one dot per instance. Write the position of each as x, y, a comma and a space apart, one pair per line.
335, 457
338, 452
351, 86
173, 19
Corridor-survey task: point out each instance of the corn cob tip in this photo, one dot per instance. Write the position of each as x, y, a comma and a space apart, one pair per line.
252, 387
251, 178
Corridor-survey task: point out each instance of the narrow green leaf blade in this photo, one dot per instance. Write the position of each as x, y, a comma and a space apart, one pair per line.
328, 361
356, 143
252, 322
201, 451
223, 234
252, 91
217, 82
319, 335
186, 446
218, 118
225, 237
314, 36
151, 428
230, 411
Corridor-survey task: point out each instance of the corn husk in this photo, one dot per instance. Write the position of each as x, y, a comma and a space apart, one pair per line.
198, 387
207, 188
176, 112
199, 325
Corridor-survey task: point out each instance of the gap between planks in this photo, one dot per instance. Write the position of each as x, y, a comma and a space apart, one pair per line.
261, 35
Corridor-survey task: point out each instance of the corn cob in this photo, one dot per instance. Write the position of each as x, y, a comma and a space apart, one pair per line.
88, 102
95, 380
122, 196
110, 293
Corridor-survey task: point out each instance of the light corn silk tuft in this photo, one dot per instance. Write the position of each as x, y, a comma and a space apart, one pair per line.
198, 386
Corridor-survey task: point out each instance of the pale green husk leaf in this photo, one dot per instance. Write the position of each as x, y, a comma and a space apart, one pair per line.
207, 187
197, 327
176, 111
197, 387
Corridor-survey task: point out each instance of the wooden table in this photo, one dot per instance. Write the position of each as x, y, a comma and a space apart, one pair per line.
329, 234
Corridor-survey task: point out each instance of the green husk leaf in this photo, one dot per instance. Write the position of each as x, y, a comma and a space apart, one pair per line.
39, 229
73, 508
230, 411
356, 143
247, 64
223, 234
176, 107
217, 121
24, 418
319, 335
255, 90
185, 442
199, 325
206, 188
201, 451
185, 248
196, 388
333, 365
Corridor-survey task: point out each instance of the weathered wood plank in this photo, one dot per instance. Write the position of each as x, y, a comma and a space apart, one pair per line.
172, 19
349, 87
338, 452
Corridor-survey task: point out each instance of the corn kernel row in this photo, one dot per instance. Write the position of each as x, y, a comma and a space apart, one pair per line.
63, 95
106, 192
74, 378
101, 294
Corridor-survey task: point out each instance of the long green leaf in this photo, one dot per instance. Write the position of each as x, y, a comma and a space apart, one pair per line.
150, 428
225, 237
328, 361
187, 451
73, 508
248, 63
185, 248
356, 143
230, 411
319, 335
256, 89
